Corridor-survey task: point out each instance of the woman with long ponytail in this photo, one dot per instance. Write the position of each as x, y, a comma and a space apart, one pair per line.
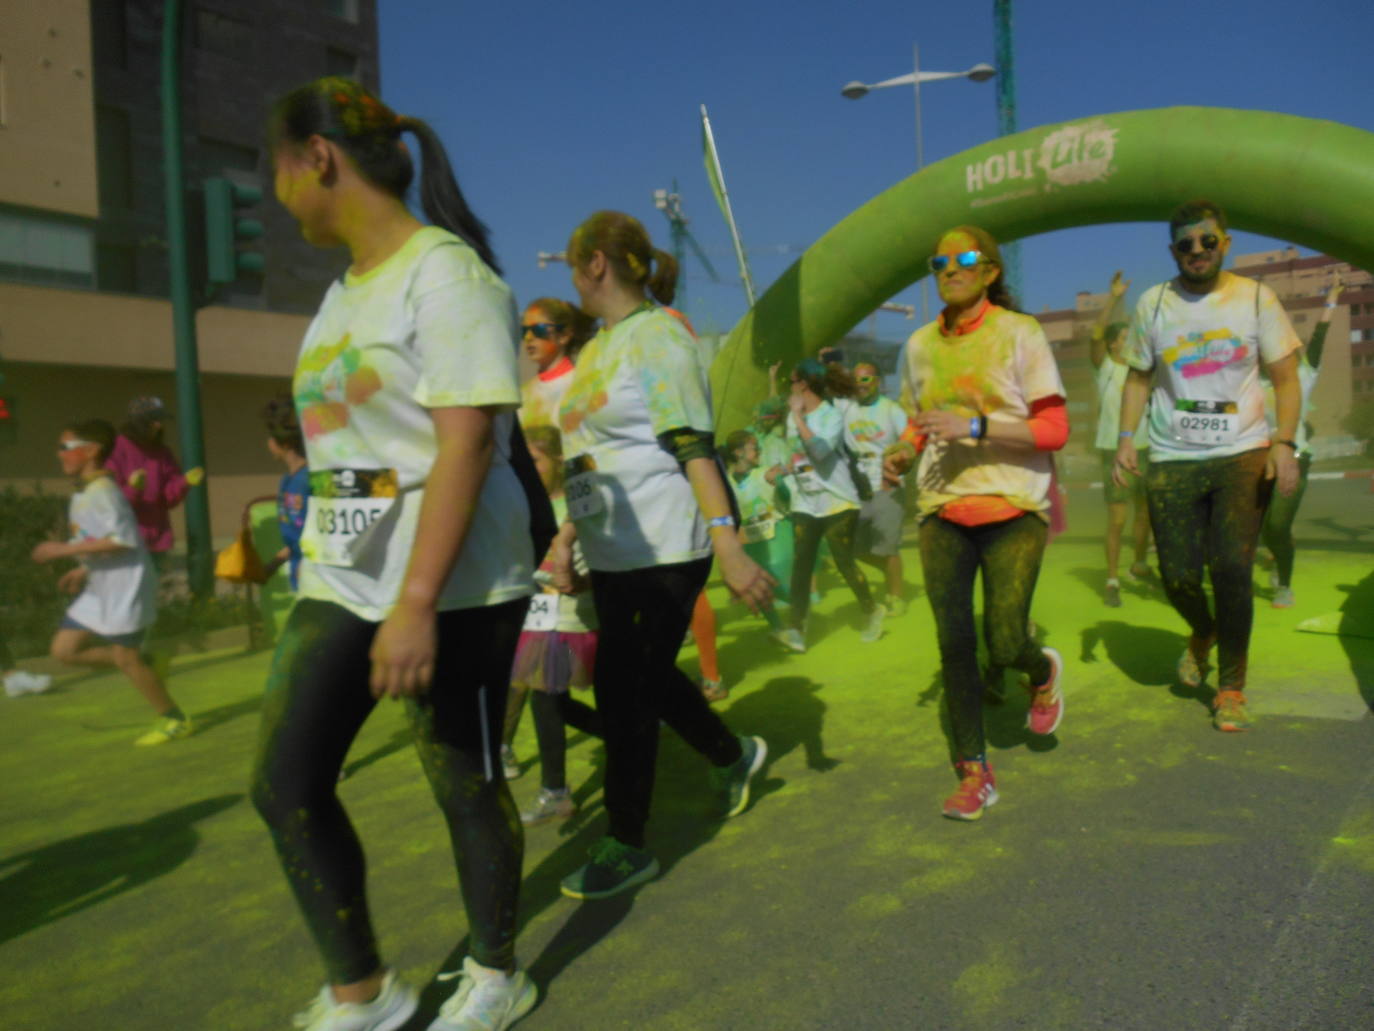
417, 553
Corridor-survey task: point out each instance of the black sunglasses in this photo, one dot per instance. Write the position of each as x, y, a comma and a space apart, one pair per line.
542, 330
1207, 242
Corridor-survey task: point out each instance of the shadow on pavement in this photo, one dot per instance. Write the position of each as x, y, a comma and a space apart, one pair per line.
65, 877
1357, 629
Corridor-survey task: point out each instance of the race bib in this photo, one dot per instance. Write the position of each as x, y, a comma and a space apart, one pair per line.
808, 482
1206, 422
871, 465
543, 613
344, 506
758, 530
580, 488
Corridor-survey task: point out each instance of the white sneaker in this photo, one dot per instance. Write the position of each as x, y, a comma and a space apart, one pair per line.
486, 999
873, 628
394, 1005
21, 683
509, 763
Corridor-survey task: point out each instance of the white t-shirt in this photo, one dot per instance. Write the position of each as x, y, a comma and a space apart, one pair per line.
430, 327
870, 429
1205, 351
542, 395
1111, 380
998, 368
120, 596
629, 498
820, 488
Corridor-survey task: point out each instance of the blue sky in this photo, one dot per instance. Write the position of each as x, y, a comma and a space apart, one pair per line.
554, 110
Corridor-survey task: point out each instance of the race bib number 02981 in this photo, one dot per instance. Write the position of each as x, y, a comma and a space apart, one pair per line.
344, 506
1206, 422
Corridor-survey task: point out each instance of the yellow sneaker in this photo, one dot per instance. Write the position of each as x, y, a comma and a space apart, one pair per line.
164, 730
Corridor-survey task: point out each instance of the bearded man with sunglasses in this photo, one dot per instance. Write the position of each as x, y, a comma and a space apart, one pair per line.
1196, 347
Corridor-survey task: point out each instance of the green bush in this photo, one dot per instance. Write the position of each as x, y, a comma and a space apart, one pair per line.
30, 605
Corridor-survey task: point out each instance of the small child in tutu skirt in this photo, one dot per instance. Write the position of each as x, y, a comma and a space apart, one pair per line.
556, 652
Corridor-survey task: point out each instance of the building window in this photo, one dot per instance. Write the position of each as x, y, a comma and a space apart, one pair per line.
220, 156
40, 249
340, 62
220, 34
110, 33
345, 9
114, 157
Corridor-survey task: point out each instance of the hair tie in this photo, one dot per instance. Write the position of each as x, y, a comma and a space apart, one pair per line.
636, 266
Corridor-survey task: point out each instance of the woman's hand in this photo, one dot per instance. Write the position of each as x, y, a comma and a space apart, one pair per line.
772, 474
1118, 286
403, 652
565, 579
897, 459
796, 404
73, 580
748, 581
941, 425
50, 551
1333, 293
1126, 464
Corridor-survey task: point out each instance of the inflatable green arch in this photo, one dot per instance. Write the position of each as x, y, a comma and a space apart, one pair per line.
1298, 179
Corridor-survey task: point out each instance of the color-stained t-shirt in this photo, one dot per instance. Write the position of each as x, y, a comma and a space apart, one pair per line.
819, 478
631, 502
756, 497
120, 596
292, 494
542, 394
1111, 380
1205, 351
430, 327
870, 429
997, 369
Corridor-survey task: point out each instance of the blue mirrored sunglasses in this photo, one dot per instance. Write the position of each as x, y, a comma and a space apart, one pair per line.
542, 330
964, 259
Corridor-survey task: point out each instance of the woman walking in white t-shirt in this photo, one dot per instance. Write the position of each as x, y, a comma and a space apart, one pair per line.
417, 554
647, 500
825, 494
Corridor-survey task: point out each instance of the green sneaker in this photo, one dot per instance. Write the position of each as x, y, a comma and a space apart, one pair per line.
164, 730
615, 867
733, 781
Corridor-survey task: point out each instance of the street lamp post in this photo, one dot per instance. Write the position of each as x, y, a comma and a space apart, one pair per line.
855, 90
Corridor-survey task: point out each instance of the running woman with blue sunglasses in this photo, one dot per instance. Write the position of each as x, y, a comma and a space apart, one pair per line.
987, 408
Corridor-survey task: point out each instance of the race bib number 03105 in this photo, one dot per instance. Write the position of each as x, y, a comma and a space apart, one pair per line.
344, 506
1206, 422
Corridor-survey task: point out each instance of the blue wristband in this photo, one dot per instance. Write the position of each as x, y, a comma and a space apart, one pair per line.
721, 521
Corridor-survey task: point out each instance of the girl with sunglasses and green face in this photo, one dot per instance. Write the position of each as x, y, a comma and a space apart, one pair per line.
552, 331
987, 408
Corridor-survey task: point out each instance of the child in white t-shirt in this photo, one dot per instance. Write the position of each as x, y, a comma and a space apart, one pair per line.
115, 585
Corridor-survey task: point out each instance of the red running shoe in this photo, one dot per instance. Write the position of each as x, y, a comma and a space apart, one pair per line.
1047, 700
977, 790
1229, 713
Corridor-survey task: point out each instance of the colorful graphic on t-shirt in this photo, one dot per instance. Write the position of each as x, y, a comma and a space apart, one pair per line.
1201, 354
329, 380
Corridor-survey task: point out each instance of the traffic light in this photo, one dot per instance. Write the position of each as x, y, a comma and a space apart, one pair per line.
225, 231
9, 430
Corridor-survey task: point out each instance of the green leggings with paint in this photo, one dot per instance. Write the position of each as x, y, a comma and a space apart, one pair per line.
1206, 516
317, 700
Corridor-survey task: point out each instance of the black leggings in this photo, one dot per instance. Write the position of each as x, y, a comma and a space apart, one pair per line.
1278, 524
317, 700
838, 529
644, 614
552, 712
1207, 513
1009, 555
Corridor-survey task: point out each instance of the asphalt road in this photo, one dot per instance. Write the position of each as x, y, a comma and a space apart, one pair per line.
1142, 872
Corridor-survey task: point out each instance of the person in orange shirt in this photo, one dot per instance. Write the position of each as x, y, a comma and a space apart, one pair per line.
987, 408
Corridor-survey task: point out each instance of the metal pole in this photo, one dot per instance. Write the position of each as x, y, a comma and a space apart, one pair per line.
920, 161
1006, 120
198, 557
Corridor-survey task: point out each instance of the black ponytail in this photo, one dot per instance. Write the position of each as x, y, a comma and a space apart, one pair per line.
369, 132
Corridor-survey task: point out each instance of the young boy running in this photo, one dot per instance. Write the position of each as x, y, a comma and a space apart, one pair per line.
115, 586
